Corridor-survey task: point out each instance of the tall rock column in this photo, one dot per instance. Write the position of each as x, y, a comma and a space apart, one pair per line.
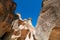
48, 19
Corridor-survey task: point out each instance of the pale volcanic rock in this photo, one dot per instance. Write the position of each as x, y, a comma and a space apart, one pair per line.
48, 19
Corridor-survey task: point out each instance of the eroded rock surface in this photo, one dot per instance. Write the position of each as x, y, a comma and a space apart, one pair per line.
7, 15
12, 27
48, 19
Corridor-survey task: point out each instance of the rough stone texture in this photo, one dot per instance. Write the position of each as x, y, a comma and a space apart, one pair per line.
22, 30
55, 34
48, 25
48, 19
7, 15
10, 29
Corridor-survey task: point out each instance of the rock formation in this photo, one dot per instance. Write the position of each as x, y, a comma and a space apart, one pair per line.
21, 30
12, 27
7, 15
48, 24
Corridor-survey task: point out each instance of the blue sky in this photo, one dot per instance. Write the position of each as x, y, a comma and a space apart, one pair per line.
29, 9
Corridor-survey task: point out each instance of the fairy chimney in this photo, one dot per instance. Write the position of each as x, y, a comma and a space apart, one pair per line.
49, 19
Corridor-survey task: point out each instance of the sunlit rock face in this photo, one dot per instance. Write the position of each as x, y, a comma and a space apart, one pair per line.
49, 19
55, 34
21, 30
25, 29
12, 27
